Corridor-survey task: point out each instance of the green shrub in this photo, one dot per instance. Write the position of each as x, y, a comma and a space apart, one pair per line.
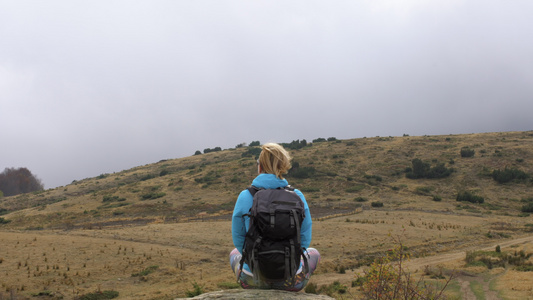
100, 295
508, 175
422, 169
437, 198
146, 271
335, 287
109, 198
360, 199
301, 172
467, 152
377, 204
4, 221
373, 178
251, 152
147, 177
355, 188
424, 190
525, 268
295, 145
228, 285
311, 288
528, 208
152, 195
197, 290
469, 197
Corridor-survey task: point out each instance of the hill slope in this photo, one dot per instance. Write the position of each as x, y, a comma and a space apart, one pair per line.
335, 174
105, 232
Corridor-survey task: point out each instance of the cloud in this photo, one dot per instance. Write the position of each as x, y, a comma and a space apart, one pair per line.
91, 88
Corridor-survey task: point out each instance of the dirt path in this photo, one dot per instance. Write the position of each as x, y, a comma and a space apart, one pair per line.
420, 263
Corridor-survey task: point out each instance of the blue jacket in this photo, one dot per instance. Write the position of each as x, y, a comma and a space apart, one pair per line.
240, 225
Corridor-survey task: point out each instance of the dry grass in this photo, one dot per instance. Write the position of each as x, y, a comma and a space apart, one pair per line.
68, 241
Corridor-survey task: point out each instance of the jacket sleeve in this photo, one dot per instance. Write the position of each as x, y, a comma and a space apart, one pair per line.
240, 224
307, 225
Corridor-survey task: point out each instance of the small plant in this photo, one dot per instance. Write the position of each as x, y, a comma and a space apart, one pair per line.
197, 290
335, 287
422, 169
311, 288
355, 188
467, 152
360, 199
228, 285
509, 174
388, 279
100, 295
469, 197
152, 195
4, 221
146, 271
377, 204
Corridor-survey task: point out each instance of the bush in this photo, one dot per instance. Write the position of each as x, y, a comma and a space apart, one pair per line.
301, 172
295, 145
197, 290
147, 177
387, 278
254, 144
467, 152
100, 295
528, 208
508, 175
469, 197
4, 221
145, 272
355, 188
360, 199
109, 198
251, 152
377, 204
319, 140
422, 169
152, 195
335, 287
311, 288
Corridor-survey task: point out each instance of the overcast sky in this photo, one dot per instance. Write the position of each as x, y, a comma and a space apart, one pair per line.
93, 87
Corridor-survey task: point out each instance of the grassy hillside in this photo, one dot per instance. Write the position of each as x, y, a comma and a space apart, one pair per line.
336, 174
100, 233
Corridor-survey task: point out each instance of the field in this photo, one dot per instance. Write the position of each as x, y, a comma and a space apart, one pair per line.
154, 231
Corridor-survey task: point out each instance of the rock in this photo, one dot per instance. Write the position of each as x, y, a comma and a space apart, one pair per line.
259, 294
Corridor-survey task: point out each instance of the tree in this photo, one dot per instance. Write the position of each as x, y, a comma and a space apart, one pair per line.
17, 181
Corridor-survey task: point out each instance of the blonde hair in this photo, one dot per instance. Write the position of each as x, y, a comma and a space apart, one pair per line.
274, 159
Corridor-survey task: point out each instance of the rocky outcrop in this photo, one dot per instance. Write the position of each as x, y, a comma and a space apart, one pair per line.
259, 294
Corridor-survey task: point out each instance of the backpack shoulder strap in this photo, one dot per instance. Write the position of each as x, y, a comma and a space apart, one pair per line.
252, 189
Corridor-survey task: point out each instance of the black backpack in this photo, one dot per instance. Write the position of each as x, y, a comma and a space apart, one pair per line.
272, 246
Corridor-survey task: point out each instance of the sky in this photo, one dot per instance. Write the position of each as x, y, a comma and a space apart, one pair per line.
94, 87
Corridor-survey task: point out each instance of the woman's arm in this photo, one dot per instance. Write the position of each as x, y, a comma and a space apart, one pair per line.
239, 223
307, 224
